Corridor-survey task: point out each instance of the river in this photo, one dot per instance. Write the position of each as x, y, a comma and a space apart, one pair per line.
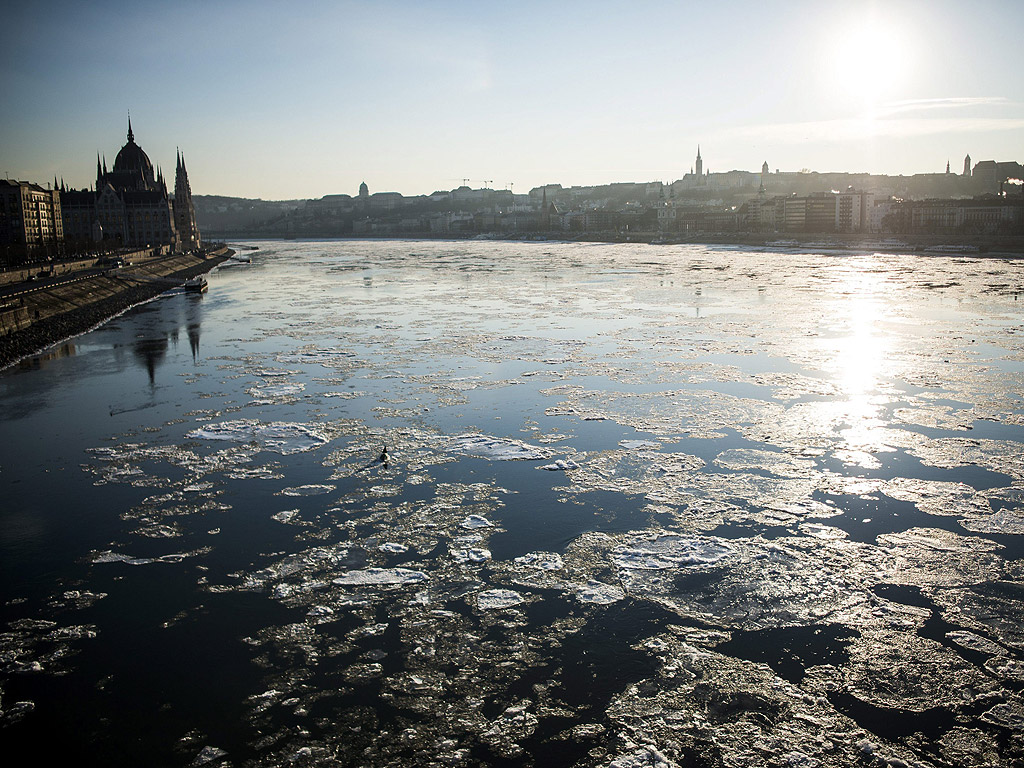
487, 503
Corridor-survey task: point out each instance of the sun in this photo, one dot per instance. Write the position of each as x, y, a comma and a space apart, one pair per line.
871, 56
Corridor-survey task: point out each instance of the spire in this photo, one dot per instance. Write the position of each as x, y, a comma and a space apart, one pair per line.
131, 136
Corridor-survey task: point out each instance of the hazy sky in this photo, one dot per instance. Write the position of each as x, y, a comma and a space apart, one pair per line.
301, 99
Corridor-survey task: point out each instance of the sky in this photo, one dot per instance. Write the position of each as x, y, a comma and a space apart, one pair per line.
285, 100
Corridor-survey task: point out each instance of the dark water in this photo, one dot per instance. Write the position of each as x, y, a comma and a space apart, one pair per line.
642, 506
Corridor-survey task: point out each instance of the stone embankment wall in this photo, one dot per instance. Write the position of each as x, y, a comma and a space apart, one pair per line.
37, 319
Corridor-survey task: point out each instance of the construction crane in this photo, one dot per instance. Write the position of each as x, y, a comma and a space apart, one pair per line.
486, 182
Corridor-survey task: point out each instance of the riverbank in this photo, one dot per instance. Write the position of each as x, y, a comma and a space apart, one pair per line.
43, 317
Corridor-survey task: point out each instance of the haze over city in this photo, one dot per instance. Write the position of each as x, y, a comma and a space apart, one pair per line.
278, 102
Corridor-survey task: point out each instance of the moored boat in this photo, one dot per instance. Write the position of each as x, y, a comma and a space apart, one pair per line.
196, 284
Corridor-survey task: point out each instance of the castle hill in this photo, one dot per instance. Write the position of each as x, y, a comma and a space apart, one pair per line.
984, 201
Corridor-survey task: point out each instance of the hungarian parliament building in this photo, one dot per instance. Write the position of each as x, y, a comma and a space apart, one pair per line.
130, 205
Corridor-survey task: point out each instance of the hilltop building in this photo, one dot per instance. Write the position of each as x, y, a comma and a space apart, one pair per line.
130, 205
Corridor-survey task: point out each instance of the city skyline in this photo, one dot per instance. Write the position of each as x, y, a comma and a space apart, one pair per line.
278, 103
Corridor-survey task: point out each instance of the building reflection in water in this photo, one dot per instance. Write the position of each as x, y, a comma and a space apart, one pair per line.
38, 361
193, 340
151, 350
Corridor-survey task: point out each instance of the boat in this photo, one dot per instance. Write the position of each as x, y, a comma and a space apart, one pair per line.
196, 284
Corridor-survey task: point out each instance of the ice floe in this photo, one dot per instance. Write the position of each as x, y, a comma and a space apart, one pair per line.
496, 449
376, 576
497, 599
279, 437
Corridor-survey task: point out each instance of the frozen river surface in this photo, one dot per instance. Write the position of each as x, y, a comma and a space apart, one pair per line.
424, 503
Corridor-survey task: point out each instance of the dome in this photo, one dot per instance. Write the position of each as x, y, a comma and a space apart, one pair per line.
132, 158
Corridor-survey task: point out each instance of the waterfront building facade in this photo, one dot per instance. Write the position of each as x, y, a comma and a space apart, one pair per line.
30, 221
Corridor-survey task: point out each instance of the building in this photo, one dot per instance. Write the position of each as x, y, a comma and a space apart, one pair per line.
853, 211
30, 221
991, 173
130, 205
791, 214
184, 210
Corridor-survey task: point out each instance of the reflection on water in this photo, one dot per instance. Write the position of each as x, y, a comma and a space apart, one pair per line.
66, 349
641, 506
193, 340
150, 352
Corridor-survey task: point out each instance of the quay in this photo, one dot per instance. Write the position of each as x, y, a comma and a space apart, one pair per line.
37, 311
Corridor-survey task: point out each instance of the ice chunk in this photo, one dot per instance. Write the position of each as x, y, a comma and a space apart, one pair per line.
116, 557
1002, 521
276, 390
285, 516
381, 576
471, 555
544, 561
974, 642
279, 436
496, 599
560, 464
669, 551
496, 448
633, 445
645, 757
306, 490
477, 521
598, 593
208, 755
1009, 715
393, 548
325, 357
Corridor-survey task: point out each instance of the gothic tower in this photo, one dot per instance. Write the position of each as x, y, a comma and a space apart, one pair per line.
699, 165
967, 166
184, 210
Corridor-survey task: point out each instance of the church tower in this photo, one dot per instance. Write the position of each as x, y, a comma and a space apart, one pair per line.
184, 210
699, 165
967, 166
